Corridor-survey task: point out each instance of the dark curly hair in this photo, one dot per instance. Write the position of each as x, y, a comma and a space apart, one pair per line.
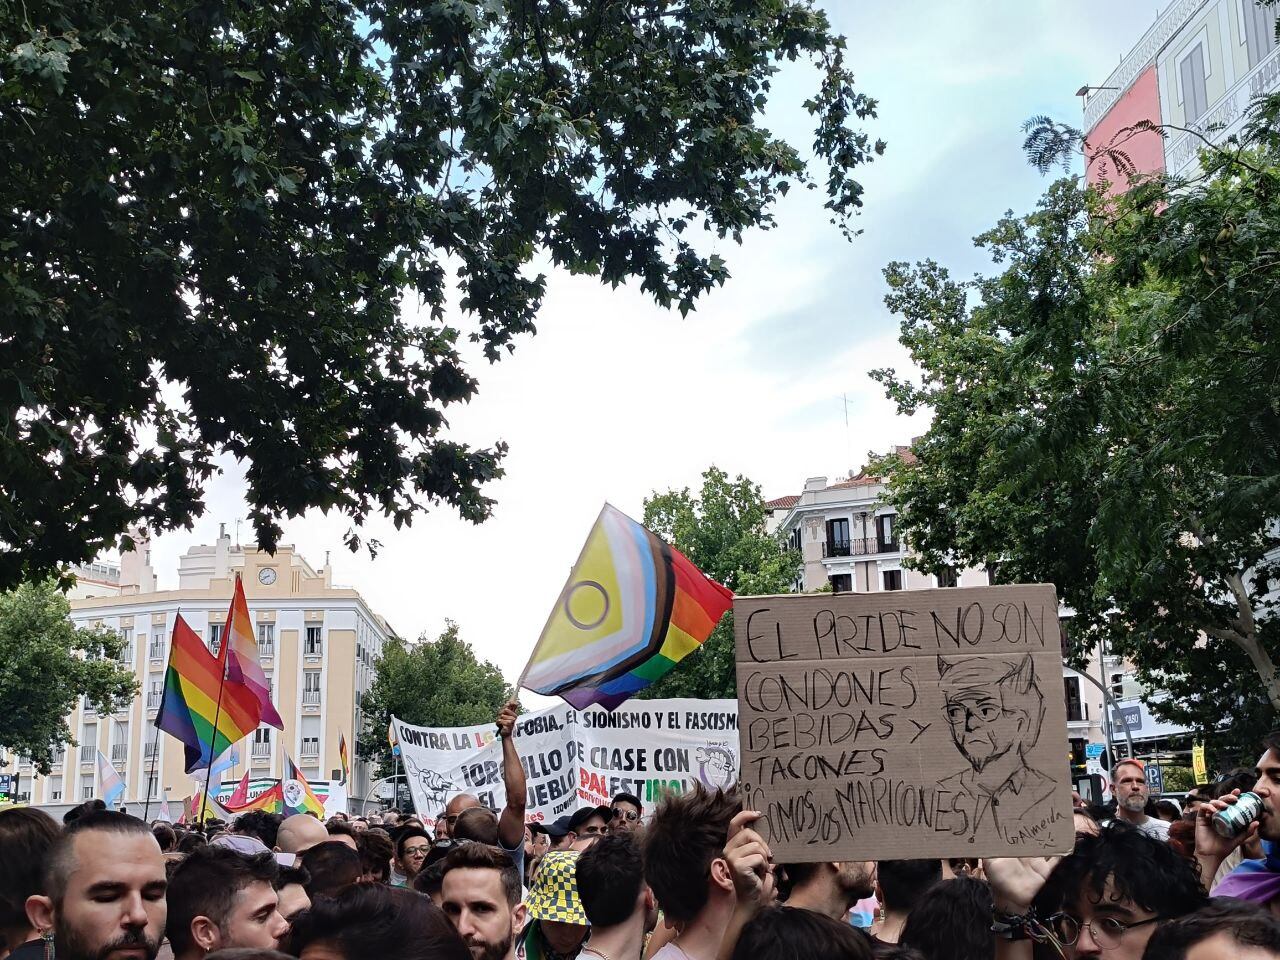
1145, 871
372, 920
1247, 924
952, 921
787, 933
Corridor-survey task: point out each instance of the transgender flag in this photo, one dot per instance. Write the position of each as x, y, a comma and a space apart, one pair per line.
112, 784
240, 653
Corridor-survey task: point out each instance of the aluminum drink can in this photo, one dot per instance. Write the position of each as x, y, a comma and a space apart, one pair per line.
1235, 820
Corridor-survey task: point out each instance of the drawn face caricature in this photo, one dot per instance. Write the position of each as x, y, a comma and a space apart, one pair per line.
292, 793
992, 707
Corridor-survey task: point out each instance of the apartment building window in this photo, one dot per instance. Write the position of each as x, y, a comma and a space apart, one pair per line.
55, 789
1075, 703
157, 646
1191, 75
311, 746
89, 743
86, 786
1117, 685
838, 538
1259, 30
794, 541
87, 707
151, 749
266, 639
948, 577
887, 531
125, 655
262, 742
892, 579
120, 748
314, 642
311, 687
154, 694
841, 583
215, 637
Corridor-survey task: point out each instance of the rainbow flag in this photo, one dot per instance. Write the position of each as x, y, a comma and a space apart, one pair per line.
240, 654
297, 793
204, 806
190, 703
269, 801
633, 608
342, 757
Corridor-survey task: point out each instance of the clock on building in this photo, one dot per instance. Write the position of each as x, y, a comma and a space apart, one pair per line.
266, 576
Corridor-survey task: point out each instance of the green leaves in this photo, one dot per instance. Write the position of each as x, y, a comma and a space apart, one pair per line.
721, 529
215, 218
48, 665
430, 683
1106, 419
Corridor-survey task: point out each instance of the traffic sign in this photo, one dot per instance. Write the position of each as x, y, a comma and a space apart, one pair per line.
1094, 749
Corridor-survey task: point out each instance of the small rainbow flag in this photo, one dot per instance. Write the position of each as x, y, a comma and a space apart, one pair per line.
633, 608
342, 757
240, 654
297, 793
270, 800
190, 705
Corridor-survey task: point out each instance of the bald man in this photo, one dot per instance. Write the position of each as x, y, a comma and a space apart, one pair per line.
300, 833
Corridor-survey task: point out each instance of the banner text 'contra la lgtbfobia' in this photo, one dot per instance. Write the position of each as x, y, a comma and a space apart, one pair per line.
577, 758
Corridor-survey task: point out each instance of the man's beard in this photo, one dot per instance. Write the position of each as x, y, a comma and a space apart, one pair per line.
1134, 803
986, 751
68, 944
855, 882
483, 950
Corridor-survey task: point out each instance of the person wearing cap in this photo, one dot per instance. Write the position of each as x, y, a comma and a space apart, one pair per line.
624, 813
558, 924
559, 835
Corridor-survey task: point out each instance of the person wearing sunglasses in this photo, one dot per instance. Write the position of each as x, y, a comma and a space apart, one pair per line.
1103, 902
626, 813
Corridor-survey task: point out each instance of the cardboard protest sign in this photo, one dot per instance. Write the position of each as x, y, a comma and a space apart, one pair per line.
904, 724
574, 758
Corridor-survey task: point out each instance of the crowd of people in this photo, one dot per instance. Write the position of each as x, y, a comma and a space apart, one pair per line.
691, 879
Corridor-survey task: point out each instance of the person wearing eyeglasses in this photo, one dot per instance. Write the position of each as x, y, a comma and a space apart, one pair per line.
1105, 900
626, 813
412, 847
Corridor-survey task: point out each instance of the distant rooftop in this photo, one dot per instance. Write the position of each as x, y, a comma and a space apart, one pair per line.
861, 479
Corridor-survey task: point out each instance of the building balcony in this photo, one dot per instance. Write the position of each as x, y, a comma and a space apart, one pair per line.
310, 750
153, 699
261, 751
125, 656
311, 698
267, 651
87, 752
119, 752
858, 547
155, 651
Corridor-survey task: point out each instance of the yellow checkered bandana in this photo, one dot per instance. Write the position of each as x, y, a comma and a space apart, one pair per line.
554, 895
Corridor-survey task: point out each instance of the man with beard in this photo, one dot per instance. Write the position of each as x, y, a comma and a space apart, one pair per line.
1257, 880
104, 890
994, 709
481, 898
829, 888
1129, 781
219, 898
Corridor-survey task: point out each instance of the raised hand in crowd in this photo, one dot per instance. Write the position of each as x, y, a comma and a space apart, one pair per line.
1211, 847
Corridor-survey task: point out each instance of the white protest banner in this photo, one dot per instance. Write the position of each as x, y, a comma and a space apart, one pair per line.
576, 758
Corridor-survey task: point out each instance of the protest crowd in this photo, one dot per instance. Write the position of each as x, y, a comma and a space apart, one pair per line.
690, 879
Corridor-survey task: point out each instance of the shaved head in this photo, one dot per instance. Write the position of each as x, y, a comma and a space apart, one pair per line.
300, 833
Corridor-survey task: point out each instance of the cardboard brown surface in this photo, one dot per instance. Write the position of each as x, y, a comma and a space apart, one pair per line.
905, 724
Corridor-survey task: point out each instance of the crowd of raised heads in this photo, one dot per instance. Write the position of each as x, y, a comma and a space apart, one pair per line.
690, 879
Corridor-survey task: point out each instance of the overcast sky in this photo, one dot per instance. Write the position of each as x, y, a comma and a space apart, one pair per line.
614, 398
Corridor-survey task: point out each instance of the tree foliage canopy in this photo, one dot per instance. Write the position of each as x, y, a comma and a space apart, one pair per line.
721, 529
430, 683
49, 663
1106, 418
217, 217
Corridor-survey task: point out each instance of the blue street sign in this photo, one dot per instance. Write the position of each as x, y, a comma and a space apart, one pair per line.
1092, 750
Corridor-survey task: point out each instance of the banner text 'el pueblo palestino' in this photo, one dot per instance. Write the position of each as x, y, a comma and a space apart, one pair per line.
575, 758
905, 724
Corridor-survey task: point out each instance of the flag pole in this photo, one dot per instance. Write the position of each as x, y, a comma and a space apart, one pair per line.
155, 743
217, 715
